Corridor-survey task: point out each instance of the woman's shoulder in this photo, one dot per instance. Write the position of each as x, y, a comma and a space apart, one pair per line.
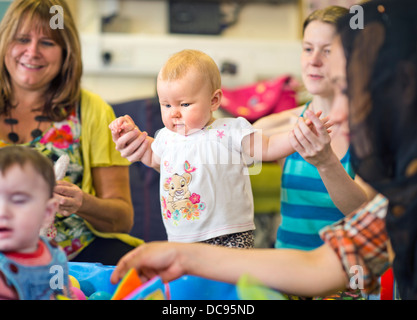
93, 104
91, 98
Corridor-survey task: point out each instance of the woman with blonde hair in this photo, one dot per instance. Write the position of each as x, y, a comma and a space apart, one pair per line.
43, 106
318, 185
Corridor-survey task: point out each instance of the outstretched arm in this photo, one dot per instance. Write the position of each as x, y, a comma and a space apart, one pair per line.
264, 148
307, 273
278, 145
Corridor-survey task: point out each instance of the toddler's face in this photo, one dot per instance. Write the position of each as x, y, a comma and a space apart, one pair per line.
24, 207
187, 103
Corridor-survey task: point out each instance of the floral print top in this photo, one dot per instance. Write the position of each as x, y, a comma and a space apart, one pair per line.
62, 137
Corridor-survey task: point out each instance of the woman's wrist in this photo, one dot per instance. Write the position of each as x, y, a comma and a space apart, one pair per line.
328, 164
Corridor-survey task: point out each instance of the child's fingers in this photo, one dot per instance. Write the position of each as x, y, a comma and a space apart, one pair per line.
318, 124
114, 125
319, 113
327, 124
118, 125
128, 124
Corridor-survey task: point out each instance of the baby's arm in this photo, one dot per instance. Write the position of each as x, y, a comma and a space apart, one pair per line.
264, 148
133, 144
276, 146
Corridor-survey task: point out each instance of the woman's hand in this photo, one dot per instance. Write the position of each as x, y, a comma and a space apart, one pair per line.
132, 143
69, 196
110, 209
311, 139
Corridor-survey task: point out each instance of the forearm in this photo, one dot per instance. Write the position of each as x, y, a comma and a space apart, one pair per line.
306, 273
264, 148
110, 209
107, 215
345, 193
276, 147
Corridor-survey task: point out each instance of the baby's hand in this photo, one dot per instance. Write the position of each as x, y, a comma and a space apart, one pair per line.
325, 121
121, 126
116, 125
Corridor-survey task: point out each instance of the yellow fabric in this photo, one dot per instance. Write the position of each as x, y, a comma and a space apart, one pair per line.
99, 150
98, 147
266, 188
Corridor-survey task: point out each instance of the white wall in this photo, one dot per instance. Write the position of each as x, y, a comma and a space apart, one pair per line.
263, 44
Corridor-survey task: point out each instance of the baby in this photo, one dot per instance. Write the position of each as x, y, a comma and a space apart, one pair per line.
30, 267
205, 189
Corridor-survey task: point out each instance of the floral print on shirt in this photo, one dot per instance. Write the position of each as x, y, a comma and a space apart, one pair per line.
60, 138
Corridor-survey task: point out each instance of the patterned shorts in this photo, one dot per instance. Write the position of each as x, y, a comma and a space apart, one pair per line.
242, 240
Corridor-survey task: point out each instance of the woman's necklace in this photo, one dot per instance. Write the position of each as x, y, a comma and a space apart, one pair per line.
14, 137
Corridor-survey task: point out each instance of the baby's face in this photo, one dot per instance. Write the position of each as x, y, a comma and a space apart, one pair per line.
186, 103
24, 206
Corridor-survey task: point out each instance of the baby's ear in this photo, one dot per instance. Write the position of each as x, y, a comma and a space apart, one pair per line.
216, 99
50, 211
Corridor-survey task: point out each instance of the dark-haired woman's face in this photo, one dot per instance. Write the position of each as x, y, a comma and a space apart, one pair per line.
339, 114
33, 60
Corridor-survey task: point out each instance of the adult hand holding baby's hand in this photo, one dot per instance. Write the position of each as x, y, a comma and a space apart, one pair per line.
130, 141
312, 121
121, 126
311, 139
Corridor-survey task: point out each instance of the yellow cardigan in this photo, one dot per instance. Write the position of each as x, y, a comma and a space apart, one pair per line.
99, 149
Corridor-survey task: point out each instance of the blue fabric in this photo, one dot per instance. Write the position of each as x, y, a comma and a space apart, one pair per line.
306, 206
36, 282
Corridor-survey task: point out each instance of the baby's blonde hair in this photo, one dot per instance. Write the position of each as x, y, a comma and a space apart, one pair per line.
181, 62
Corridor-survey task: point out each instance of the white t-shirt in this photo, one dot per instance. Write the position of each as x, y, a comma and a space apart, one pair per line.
205, 188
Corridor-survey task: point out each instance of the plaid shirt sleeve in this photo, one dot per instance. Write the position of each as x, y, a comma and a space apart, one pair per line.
360, 241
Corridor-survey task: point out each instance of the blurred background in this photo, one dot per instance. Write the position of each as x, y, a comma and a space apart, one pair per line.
255, 43
125, 42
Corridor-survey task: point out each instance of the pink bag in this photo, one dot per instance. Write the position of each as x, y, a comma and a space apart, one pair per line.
260, 99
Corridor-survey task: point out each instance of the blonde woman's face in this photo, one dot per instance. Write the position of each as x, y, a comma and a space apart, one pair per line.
315, 57
33, 60
187, 103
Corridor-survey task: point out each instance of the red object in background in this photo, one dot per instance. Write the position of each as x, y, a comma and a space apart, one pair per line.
387, 285
260, 99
